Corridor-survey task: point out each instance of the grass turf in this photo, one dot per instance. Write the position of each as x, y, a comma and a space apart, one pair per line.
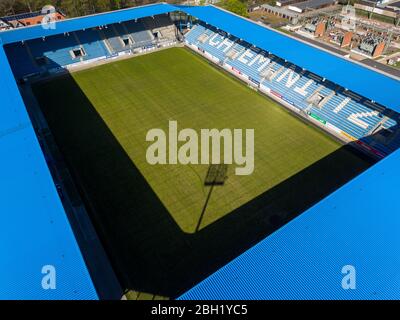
100, 118
136, 95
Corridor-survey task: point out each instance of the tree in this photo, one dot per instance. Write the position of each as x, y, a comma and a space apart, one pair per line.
72, 8
235, 6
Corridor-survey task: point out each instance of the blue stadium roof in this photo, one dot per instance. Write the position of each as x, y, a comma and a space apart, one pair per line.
362, 80
34, 229
357, 225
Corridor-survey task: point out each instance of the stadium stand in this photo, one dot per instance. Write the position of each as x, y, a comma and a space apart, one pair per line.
59, 51
161, 26
140, 35
53, 51
123, 35
114, 40
339, 110
92, 43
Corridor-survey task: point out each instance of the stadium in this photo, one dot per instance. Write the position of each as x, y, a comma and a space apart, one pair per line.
78, 99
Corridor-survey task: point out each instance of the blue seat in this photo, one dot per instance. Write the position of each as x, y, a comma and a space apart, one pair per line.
113, 38
92, 44
57, 49
355, 118
140, 35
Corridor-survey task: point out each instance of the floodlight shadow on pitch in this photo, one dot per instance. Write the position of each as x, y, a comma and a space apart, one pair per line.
216, 174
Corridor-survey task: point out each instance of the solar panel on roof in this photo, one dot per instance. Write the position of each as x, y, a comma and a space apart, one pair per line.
313, 4
22, 16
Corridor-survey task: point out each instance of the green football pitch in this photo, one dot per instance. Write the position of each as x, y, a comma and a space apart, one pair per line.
100, 118
139, 94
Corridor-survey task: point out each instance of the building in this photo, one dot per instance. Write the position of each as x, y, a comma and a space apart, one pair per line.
305, 6
29, 19
390, 10
280, 12
283, 3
